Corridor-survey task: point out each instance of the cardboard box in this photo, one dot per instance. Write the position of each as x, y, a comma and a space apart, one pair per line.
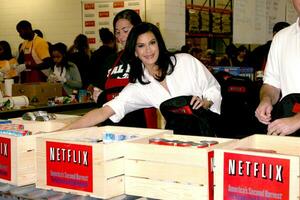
18, 154
77, 161
37, 93
170, 172
258, 167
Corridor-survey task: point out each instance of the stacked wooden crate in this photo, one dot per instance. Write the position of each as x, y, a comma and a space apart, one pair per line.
170, 172
258, 167
78, 161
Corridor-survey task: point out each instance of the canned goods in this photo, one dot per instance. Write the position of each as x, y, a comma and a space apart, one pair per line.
5, 121
161, 141
210, 142
15, 132
111, 137
11, 127
200, 145
184, 144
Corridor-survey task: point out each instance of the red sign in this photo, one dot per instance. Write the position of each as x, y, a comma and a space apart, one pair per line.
89, 23
255, 177
103, 14
5, 158
210, 175
92, 40
118, 4
69, 166
89, 6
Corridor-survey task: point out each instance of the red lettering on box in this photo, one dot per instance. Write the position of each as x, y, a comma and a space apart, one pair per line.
255, 177
69, 166
5, 158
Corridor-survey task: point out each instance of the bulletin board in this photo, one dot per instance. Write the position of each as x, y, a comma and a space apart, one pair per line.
253, 20
100, 14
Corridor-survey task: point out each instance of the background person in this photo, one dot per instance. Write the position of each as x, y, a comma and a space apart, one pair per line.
281, 78
34, 53
99, 57
259, 56
8, 62
80, 54
63, 71
156, 75
117, 74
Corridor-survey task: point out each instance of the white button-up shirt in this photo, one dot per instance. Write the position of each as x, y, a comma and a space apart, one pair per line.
190, 77
283, 65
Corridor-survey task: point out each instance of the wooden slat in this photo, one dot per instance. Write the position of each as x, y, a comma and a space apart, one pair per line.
163, 189
169, 172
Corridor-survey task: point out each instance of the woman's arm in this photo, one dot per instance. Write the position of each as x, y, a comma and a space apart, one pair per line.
91, 118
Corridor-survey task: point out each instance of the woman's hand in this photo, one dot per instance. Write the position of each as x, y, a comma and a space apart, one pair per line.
52, 78
198, 102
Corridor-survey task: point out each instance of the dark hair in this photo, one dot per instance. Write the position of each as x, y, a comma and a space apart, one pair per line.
241, 48
81, 42
6, 55
280, 25
106, 35
62, 48
38, 32
128, 14
24, 24
164, 57
231, 50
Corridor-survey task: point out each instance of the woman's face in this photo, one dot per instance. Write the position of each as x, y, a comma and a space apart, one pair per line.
122, 29
297, 6
57, 57
147, 49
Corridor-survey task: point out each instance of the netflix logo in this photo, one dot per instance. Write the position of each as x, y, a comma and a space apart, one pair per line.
5, 158
89, 6
69, 166
89, 23
92, 40
255, 177
118, 4
103, 14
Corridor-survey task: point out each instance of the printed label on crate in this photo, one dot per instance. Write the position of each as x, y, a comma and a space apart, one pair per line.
255, 177
69, 166
5, 158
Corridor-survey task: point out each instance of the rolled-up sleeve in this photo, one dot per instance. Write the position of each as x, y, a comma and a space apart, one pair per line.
210, 87
271, 73
127, 101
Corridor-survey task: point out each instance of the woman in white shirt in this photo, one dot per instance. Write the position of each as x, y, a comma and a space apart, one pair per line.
156, 75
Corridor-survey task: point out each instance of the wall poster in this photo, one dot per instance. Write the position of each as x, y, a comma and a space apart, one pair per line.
100, 14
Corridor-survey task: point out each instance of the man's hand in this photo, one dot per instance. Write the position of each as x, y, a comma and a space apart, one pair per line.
263, 112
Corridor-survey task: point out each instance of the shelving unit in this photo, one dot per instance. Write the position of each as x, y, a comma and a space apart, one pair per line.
209, 24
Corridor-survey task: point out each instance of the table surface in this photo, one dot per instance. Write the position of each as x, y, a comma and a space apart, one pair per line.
72, 109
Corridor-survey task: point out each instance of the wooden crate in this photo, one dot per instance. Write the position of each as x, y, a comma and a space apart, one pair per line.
170, 172
17, 154
100, 172
46, 126
258, 167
